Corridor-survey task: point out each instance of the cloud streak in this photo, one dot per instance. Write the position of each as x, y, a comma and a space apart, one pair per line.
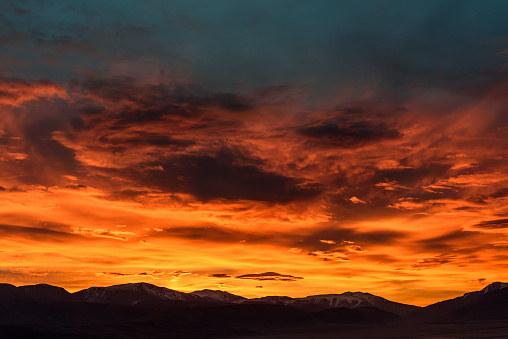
269, 276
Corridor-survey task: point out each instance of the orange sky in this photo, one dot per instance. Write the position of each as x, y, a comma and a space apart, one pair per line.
409, 207
129, 168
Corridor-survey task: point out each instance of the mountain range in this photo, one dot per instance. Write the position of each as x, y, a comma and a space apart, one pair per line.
127, 310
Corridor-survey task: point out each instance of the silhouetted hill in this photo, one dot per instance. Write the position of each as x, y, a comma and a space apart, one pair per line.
34, 292
489, 303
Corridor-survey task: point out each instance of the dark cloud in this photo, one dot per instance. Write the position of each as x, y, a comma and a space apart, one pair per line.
49, 160
410, 176
142, 104
44, 234
269, 276
348, 134
75, 187
467, 208
445, 242
492, 224
232, 102
477, 199
433, 262
215, 234
119, 142
334, 256
219, 275
14, 92
368, 192
380, 258
226, 174
39, 109
132, 195
502, 193
155, 102
116, 274
343, 235
348, 243
346, 239
169, 117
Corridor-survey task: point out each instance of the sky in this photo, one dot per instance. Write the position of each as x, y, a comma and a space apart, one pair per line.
257, 147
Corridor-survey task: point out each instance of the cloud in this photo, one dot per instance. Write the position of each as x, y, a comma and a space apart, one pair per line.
433, 262
492, 224
501, 193
335, 251
225, 174
312, 238
273, 276
218, 275
306, 240
165, 138
104, 233
212, 234
30, 233
355, 200
15, 92
120, 141
151, 274
336, 256
447, 241
409, 176
470, 180
347, 134
391, 186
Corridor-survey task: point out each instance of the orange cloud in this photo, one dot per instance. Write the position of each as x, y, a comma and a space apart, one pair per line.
14, 92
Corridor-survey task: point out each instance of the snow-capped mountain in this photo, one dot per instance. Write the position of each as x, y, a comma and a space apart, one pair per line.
494, 287
347, 299
217, 295
131, 294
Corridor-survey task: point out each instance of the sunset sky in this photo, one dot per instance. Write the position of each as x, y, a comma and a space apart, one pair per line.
257, 147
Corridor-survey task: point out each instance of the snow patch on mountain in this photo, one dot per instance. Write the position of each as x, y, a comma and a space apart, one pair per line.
156, 291
218, 295
347, 299
494, 287
133, 292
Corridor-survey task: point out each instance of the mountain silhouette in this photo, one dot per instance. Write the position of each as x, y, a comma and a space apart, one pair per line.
142, 310
490, 303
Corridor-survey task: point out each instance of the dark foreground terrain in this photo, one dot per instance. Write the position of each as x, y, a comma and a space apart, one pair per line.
85, 320
403, 331
158, 329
